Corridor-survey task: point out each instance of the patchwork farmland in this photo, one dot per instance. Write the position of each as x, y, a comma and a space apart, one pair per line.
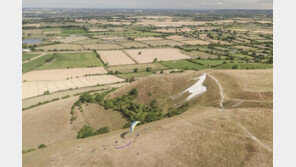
200, 83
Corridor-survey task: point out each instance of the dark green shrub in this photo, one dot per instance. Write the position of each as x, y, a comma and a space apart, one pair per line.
102, 130
42, 146
85, 131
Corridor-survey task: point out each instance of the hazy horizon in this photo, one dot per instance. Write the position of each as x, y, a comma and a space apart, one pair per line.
151, 4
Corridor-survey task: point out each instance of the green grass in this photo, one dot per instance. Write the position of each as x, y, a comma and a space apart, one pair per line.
35, 63
73, 60
245, 66
141, 67
138, 74
209, 62
73, 32
182, 64
28, 56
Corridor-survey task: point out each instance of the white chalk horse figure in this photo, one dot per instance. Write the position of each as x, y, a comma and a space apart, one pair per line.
196, 89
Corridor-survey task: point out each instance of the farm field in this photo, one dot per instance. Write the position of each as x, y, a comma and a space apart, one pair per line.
72, 60
60, 47
161, 42
132, 44
35, 88
102, 46
28, 56
140, 67
115, 57
200, 82
62, 74
149, 55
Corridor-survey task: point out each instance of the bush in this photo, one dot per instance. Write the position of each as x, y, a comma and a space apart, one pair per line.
148, 69
42, 146
85, 131
46, 93
86, 97
134, 92
136, 70
155, 60
235, 66
102, 130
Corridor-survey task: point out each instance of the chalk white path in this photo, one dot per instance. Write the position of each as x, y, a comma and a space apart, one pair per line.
244, 128
33, 58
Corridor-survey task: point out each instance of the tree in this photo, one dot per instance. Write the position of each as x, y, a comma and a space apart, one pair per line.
86, 97
155, 60
139, 53
136, 70
85, 131
148, 69
235, 66
42, 146
134, 92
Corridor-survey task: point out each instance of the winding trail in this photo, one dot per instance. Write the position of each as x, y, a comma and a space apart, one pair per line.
244, 128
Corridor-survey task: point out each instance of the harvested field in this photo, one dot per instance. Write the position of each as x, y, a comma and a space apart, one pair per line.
196, 42
147, 39
35, 88
97, 30
61, 74
173, 30
263, 31
162, 54
60, 47
132, 44
162, 42
102, 46
177, 37
115, 57
89, 41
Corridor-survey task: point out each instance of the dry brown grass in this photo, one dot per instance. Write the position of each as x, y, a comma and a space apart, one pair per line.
102, 46
203, 136
61, 47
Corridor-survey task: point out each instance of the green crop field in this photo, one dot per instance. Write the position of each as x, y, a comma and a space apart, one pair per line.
182, 64
73, 32
138, 74
66, 60
29, 56
35, 63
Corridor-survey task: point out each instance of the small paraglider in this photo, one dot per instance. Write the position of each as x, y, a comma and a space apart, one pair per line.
133, 125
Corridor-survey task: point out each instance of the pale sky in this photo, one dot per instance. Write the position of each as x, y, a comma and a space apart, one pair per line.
152, 4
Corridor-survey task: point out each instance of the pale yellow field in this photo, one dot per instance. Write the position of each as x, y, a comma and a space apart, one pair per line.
61, 74
147, 39
61, 47
176, 37
173, 30
102, 46
196, 42
171, 24
162, 42
162, 54
115, 57
35, 88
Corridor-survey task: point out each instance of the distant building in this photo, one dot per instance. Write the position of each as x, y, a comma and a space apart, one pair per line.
26, 50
